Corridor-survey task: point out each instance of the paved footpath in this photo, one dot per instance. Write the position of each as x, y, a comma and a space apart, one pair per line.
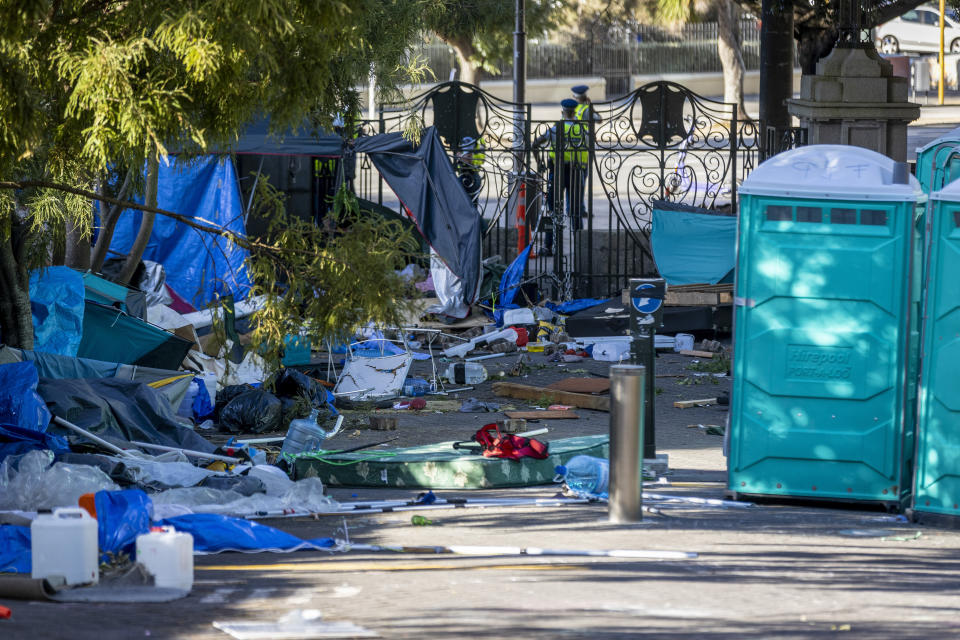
772, 571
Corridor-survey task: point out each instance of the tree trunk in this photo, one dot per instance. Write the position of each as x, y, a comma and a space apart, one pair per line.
465, 53
146, 223
16, 318
731, 55
776, 63
78, 247
813, 45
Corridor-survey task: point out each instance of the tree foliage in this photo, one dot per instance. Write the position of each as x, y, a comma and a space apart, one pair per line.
481, 31
90, 89
815, 22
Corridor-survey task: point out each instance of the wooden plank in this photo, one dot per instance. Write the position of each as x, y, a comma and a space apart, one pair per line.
542, 394
582, 385
689, 404
696, 354
691, 299
541, 415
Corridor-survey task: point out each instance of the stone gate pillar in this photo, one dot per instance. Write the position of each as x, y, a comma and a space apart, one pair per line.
854, 98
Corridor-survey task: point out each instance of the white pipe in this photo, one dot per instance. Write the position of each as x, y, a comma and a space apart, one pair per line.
711, 502
86, 434
469, 550
188, 452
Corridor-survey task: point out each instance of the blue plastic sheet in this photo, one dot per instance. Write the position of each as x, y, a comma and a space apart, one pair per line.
510, 285
16, 441
56, 302
199, 266
121, 517
214, 533
14, 549
20, 404
202, 405
693, 248
572, 306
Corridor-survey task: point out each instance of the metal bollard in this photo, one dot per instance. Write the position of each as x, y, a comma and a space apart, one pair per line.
627, 386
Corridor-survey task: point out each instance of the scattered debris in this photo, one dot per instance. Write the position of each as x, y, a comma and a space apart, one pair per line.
709, 429
527, 392
696, 354
562, 414
383, 423
582, 385
688, 404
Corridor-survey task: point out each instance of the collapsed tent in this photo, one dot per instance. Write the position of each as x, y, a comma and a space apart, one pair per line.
693, 245
171, 384
119, 411
200, 266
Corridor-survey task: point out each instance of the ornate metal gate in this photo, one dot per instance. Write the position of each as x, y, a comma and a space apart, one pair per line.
660, 142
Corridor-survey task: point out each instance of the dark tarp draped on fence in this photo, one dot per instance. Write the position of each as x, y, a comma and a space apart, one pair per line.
424, 180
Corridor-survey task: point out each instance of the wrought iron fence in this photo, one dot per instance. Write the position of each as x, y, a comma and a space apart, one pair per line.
587, 212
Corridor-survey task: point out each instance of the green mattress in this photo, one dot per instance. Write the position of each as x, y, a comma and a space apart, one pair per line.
440, 466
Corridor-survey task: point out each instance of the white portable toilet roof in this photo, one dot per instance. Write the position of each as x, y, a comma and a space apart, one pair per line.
950, 191
952, 136
830, 171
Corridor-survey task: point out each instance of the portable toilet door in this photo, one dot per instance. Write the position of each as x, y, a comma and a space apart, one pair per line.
820, 402
938, 162
937, 483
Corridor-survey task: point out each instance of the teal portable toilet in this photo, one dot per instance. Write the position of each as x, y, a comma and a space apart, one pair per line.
821, 404
938, 162
937, 483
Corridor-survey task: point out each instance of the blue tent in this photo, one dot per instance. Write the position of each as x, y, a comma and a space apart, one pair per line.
199, 266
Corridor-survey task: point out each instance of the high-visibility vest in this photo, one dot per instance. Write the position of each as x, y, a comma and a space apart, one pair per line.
581, 111
574, 144
479, 152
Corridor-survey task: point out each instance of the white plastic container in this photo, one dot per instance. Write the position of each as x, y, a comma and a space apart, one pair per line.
64, 543
465, 373
168, 555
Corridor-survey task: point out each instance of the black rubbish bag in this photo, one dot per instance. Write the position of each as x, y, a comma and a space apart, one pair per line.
290, 383
255, 411
225, 395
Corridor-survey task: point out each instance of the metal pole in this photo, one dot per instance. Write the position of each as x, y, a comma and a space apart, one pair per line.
627, 389
519, 54
943, 74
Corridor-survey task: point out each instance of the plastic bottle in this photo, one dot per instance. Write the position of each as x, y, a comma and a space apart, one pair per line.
168, 555
465, 373
64, 543
304, 434
586, 475
415, 387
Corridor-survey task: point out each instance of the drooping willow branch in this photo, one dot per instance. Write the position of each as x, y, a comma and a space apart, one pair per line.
199, 224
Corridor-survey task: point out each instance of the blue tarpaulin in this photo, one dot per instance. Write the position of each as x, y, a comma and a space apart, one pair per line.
121, 517
213, 533
20, 404
15, 441
510, 285
693, 248
15, 549
572, 306
56, 302
199, 266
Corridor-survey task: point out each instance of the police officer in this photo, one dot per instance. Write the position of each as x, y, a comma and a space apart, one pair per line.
584, 103
570, 162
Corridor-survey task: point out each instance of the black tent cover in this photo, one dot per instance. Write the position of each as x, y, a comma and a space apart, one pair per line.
421, 175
